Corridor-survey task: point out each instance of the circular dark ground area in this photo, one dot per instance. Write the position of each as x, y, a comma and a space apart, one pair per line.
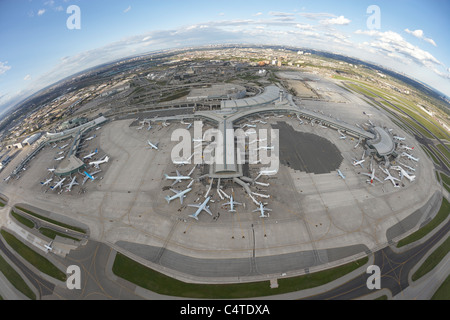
307, 152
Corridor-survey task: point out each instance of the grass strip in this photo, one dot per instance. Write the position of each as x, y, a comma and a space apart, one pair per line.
443, 293
147, 278
443, 213
433, 260
67, 226
26, 222
41, 263
15, 279
52, 234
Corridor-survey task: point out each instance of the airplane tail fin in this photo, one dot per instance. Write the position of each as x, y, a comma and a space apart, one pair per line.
166, 176
167, 199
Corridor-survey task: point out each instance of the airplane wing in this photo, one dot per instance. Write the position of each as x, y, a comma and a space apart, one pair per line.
194, 205
207, 210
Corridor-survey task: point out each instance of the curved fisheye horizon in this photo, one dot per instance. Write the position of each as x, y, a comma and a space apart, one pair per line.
204, 150
43, 49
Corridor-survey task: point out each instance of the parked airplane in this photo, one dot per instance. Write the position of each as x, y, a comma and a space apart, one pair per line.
152, 146
266, 173
201, 207
261, 195
90, 138
399, 138
406, 147
372, 177
89, 176
89, 156
60, 158
340, 174
343, 136
58, 184
60, 153
390, 177
360, 162
54, 146
71, 184
51, 170
248, 126
177, 179
64, 146
47, 182
410, 157
99, 162
262, 209
403, 173
183, 162
178, 194
266, 148
232, 203
407, 167
49, 247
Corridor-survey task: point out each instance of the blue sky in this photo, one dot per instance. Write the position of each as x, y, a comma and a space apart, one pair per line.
37, 49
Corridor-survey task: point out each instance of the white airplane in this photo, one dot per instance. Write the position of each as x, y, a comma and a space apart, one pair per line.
60, 153
343, 136
232, 203
60, 158
183, 162
178, 194
407, 167
54, 146
403, 173
410, 157
71, 184
248, 126
58, 184
64, 146
257, 140
90, 138
266, 148
372, 177
340, 174
89, 176
266, 173
399, 138
360, 162
47, 182
152, 146
51, 170
265, 196
201, 207
390, 178
89, 156
262, 209
99, 162
177, 179
406, 147
49, 247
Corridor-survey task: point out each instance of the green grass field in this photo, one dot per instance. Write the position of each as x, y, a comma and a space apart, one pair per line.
443, 293
154, 281
433, 260
443, 213
67, 226
40, 262
15, 279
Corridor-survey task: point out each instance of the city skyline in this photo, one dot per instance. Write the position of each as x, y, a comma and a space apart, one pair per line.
40, 49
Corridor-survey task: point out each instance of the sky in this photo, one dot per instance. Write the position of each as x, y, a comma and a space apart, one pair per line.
44, 41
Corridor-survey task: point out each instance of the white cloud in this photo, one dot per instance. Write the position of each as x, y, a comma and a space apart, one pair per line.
4, 67
280, 14
316, 16
27, 77
127, 9
420, 35
341, 20
258, 14
394, 45
41, 12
